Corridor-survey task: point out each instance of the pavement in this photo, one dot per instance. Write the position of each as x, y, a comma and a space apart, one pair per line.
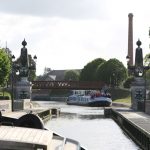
138, 118
120, 104
35, 108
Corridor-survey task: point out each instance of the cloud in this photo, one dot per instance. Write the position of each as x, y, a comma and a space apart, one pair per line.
60, 43
67, 34
74, 9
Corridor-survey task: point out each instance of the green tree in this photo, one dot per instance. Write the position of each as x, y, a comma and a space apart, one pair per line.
128, 82
147, 59
5, 66
71, 75
32, 71
147, 63
111, 72
89, 71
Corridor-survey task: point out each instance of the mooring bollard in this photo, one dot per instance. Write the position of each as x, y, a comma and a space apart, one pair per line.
107, 112
55, 111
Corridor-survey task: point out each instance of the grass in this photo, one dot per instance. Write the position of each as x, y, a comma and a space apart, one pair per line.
124, 100
5, 94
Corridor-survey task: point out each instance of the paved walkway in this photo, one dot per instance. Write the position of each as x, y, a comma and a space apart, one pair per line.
140, 119
17, 114
120, 104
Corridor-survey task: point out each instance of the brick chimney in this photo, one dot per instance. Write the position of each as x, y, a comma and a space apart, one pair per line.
130, 39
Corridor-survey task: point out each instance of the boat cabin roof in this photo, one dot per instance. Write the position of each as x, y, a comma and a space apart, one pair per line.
81, 92
16, 138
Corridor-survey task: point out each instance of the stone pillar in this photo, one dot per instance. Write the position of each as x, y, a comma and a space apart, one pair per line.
130, 39
23, 86
22, 94
147, 102
138, 94
23, 89
147, 108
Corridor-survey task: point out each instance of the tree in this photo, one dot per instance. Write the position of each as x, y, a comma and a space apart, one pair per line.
5, 66
147, 63
147, 59
128, 82
111, 72
89, 70
32, 68
71, 75
32, 72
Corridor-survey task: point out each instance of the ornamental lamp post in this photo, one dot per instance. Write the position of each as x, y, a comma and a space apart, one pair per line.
114, 80
12, 82
35, 59
128, 65
128, 59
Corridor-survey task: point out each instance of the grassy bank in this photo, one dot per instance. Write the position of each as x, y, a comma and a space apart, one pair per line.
5, 95
124, 100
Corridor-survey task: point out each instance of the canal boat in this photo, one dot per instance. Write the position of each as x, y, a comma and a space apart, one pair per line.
28, 133
90, 98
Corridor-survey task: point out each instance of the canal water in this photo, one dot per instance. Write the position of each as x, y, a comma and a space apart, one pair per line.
88, 126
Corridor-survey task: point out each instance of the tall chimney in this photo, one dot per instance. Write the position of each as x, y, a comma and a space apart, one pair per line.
130, 39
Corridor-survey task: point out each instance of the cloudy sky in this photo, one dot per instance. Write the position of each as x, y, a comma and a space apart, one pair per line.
67, 34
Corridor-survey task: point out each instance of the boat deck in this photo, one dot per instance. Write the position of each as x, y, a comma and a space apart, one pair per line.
19, 137
16, 138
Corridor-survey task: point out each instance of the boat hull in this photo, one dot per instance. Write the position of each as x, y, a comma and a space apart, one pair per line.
37, 136
97, 102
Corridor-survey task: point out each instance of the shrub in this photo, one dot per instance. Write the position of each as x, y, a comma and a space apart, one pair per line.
127, 83
4, 97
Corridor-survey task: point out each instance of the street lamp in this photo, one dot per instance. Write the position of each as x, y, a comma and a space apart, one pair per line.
114, 80
130, 68
35, 57
128, 59
12, 82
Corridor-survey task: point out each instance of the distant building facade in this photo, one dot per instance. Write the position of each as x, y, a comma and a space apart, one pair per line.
49, 75
52, 75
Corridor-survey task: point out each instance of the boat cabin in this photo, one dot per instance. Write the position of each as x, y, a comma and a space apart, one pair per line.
28, 133
20, 138
81, 92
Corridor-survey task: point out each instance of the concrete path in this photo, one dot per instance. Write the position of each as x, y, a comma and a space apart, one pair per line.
140, 119
18, 114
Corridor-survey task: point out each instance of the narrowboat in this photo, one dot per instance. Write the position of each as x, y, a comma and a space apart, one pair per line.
90, 98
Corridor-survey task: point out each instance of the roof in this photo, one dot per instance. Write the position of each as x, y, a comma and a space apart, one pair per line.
18, 138
57, 75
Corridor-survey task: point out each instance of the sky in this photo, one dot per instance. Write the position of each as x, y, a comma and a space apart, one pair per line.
67, 34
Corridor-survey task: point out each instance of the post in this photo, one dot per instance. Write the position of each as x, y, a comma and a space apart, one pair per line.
145, 92
23, 87
12, 83
12, 92
138, 87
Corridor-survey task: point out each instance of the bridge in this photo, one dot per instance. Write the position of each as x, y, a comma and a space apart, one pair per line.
78, 85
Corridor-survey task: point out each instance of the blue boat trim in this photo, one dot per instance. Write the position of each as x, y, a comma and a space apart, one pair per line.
87, 98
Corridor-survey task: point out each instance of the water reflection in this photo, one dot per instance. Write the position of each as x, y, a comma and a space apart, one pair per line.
87, 125
80, 116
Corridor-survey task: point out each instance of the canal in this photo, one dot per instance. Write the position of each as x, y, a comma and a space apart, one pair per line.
88, 126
